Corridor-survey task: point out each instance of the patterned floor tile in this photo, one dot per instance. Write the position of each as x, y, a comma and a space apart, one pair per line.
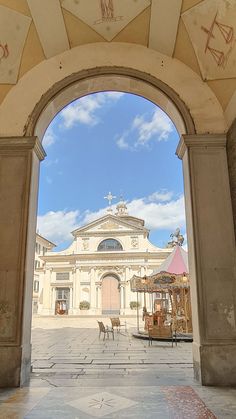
101, 404
183, 402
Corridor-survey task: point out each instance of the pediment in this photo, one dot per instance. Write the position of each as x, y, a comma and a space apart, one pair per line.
108, 223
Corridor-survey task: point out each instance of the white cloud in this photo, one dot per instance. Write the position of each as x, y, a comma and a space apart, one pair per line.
157, 215
122, 143
161, 196
145, 128
168, 215
49, 137
90, 216
57, 226
159, 125
84, 110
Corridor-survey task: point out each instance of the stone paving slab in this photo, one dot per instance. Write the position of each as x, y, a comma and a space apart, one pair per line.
157, 377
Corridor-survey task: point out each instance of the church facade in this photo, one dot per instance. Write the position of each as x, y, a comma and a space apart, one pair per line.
92, 276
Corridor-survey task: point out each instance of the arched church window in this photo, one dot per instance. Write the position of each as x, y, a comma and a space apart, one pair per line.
109, 244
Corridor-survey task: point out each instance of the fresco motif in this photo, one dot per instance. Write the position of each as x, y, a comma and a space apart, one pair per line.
106, 17
13, 32
211, 26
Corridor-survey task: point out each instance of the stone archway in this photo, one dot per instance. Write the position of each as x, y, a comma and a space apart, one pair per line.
162, 80
110, 295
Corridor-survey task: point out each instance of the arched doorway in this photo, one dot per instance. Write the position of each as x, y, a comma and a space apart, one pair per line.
110, 295
212, 260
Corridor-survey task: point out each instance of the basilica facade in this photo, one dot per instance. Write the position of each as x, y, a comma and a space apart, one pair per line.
92, 276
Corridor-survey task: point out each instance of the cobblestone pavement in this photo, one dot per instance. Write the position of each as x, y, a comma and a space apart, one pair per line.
77, 375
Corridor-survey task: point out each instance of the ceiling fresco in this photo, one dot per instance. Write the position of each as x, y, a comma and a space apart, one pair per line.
106, 17
211, 26
13, 32
199, 33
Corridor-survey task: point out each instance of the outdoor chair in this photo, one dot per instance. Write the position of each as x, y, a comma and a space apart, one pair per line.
115, 322
105, 330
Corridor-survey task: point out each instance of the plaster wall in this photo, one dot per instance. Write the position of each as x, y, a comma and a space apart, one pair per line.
231, 156
204, 108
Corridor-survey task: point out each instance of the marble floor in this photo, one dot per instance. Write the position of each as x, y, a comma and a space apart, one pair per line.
77, 375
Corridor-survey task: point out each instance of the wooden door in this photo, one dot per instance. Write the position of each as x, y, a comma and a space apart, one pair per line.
110, 295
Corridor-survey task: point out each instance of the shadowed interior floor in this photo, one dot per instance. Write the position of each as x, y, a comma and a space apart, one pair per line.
76, 375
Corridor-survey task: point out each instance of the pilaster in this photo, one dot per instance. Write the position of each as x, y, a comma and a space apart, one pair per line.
211, 245
19, 173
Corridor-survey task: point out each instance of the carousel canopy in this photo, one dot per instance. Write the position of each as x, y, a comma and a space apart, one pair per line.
175, 263
173, 273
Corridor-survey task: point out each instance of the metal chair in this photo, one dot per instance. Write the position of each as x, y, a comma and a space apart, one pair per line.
115, 322
105, 330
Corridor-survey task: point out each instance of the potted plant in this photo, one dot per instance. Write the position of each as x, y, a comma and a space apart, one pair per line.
134, 305
84, 305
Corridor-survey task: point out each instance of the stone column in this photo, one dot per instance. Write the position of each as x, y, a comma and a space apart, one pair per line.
46, 292
53, 299
92, 290
211, 245
100, 299
128, 296
77, 288
74, 288
122, 296
70, 311
19, 173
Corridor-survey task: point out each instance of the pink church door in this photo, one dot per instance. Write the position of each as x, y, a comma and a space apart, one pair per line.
110, 295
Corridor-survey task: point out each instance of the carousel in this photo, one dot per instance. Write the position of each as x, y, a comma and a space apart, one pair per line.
169, 287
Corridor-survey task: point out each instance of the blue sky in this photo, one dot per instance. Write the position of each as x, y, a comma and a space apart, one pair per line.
110, 142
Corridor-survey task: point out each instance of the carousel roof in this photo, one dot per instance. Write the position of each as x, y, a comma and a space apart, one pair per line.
173, 273
175, 263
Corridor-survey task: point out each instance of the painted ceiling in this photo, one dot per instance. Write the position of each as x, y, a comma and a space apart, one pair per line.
200, 33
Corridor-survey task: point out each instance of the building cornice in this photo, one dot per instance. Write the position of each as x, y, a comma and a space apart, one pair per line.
100, 256
112, 233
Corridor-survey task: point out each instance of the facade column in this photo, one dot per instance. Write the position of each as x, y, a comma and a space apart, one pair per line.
211, 245
128, 296
92, 290
99, 296
46, 292
71, 301
122, 297
53, 299
19, 163
74, 288
77, 289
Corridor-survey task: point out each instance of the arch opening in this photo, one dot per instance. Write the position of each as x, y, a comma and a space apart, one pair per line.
108, 79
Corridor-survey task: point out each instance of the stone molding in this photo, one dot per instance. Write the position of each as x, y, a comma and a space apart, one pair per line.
194, 141
17, 144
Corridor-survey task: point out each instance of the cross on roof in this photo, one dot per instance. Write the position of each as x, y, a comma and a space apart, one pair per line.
109, 197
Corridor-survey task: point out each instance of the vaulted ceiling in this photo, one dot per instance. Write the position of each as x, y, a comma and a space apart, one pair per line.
199, 33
